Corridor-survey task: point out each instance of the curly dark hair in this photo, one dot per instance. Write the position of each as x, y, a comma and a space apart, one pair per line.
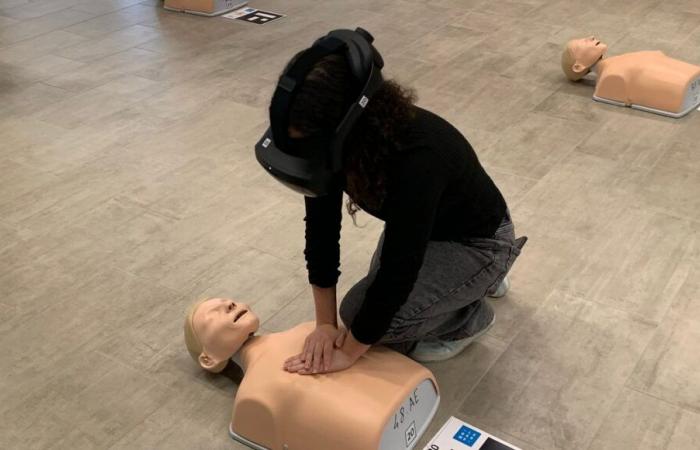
324, 98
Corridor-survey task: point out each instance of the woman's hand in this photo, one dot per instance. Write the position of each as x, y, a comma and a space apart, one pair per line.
348, 352
319, 347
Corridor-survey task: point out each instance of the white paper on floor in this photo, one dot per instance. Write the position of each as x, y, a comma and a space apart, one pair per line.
459, 435
253, 15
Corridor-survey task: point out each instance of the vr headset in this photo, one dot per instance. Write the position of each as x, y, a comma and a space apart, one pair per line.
313, 165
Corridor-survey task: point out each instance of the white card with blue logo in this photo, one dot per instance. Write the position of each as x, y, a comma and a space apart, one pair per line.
459, 435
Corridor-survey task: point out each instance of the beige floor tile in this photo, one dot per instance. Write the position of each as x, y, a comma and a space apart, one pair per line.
37, 26
443, 44
260, 280
37, 69
22, 133
674, 182
9, 235
672, 27
39, 46
32, 10
638, 421
539, 64
181, 33
62, 151
83, 109
535, 145
639, 283
42, 401
520, 42
577, 196
686, 434
625, 7
116, 403
461, 73
12, 3
104, 6
556, 378
6, 21
96, 73
28, 289
634, 43
633, 142
458, 376
513, 187
558, 12
493, 103
22, 100
299, 310
146, 338
545, 260
206, 415
19, 179
574, 101
114, 21
667, 368
110, 44
60, 202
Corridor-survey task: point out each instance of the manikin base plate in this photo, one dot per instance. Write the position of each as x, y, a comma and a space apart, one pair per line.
675, 115
243, 440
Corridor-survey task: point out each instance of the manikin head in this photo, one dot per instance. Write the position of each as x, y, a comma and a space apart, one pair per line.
215, 329
580, 55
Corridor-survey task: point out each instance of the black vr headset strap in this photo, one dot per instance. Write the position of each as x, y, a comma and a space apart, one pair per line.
290, 83
374, 81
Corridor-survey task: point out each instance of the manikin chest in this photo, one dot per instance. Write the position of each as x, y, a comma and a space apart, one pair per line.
385, 401
649, 81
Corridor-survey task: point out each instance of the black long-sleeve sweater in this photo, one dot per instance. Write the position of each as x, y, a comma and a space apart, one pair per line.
436, 190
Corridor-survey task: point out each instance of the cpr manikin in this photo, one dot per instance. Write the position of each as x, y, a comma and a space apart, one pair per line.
646, 80
384, 401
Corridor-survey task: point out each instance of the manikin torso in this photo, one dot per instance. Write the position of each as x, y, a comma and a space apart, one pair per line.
347, 410
648, 79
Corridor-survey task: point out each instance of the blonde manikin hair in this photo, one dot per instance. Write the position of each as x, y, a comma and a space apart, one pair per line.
568, 59
194, 345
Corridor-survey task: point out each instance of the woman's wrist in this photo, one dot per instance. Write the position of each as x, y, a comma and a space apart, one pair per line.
325, 305
353, 347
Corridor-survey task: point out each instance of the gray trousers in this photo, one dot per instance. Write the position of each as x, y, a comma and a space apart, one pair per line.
448, 299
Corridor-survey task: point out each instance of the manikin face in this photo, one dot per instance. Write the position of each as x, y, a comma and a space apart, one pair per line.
222, 325
587, 52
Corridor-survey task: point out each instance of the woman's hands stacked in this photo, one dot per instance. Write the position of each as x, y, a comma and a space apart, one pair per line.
326, 349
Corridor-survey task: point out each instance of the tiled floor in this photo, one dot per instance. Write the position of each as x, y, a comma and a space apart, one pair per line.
128, 188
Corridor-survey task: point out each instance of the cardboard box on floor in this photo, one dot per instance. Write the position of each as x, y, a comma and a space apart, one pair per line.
204, 7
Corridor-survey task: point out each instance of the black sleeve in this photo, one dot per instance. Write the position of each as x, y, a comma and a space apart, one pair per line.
322, 250
410, 210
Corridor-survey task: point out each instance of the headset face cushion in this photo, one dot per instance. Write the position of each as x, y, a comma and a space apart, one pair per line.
314, 147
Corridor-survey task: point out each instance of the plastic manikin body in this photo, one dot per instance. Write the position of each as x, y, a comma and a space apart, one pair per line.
384, 401
646, 80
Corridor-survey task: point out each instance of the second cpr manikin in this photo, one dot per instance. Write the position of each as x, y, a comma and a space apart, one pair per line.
645, 80
385, 401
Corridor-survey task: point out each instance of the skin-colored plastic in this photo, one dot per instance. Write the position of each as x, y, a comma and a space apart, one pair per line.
204, 7
647, 79
276, 409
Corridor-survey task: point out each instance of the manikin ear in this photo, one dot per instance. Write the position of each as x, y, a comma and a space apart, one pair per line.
578, 68
208, 363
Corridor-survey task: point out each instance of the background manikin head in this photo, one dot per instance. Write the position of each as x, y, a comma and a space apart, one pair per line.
215, 329
580, 55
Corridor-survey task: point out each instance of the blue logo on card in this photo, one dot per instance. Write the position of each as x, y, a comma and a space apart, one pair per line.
467, 436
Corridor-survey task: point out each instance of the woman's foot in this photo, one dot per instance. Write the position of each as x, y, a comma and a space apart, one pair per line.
439, 350
502, 288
